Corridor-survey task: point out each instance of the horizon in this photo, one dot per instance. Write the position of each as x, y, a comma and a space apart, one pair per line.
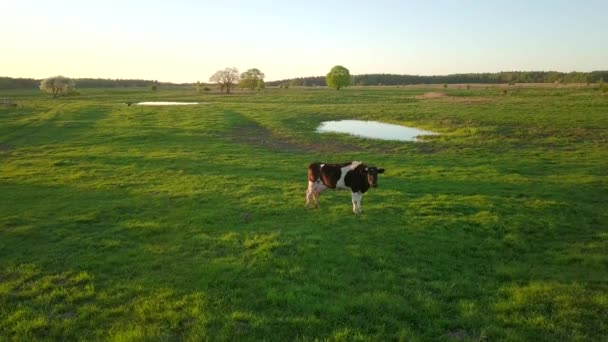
170, 43
311, 76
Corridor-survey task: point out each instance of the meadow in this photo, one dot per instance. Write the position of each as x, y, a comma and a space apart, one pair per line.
133, 223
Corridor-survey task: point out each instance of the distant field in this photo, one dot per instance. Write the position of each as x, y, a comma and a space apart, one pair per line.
186, 223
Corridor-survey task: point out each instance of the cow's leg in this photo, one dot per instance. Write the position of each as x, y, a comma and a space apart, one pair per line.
316, 197
317, 188
314, 190
309, 193
357, 202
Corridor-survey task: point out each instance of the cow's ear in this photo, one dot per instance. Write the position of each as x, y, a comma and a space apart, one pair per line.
380, 170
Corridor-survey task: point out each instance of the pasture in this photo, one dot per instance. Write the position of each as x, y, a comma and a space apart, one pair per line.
132, 223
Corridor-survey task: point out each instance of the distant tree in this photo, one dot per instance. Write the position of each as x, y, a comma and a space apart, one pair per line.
252, 79
338, 77
57, 85
217, 79
225, 78
198, 86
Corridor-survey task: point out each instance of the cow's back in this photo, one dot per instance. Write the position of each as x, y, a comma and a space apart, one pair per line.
328, 174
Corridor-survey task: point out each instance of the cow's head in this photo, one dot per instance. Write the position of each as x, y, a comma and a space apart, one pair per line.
372, 175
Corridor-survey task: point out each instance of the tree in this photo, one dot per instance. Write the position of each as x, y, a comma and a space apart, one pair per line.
338, 77
198, 86
57, 85
252, 79
225, 78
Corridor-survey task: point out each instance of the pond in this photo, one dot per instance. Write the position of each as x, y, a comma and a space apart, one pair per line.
165, 103
373, 130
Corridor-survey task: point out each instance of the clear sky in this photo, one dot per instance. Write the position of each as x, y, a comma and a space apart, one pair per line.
186, 41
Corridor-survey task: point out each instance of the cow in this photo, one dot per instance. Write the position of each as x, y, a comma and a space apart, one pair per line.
353, 175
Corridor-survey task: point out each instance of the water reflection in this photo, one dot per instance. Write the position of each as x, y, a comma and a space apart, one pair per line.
373, 129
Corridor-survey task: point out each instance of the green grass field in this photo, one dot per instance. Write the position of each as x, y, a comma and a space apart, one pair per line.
188, 223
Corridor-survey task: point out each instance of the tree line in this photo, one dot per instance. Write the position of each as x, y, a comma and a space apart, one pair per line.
253, 78
32, 83
489, 78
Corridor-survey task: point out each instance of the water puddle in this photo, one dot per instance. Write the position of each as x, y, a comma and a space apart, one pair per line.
373, 130
165, 103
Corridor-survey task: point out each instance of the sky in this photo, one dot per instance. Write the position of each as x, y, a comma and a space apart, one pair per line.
187, 41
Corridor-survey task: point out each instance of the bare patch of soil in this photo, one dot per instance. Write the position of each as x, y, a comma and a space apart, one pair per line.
468, 99
427, 149
8, 103
255, 135
454, 99
252, 134
430, 95
246, 216
458, 334
68, 124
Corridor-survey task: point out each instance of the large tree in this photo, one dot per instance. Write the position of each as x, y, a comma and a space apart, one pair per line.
252, 79
57, 85
338, 77
225, 78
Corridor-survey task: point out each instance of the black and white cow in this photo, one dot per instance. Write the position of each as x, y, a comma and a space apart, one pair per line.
354, 175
